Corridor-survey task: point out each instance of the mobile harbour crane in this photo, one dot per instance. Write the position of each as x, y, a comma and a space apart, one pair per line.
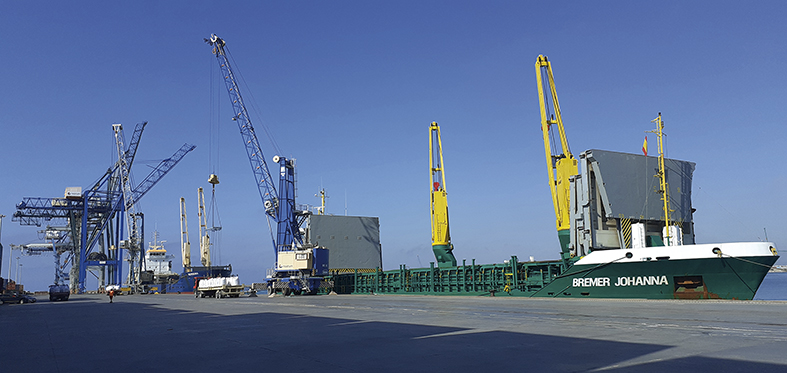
299, 268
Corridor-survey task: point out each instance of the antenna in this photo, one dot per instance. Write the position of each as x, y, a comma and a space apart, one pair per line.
323, 196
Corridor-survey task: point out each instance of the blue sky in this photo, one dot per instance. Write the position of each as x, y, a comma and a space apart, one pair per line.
349, 88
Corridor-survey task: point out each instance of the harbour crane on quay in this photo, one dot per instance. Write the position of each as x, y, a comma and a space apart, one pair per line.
298, 268
561, 166
88, 225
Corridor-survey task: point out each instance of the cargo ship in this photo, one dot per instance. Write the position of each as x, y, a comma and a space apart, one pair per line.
186, 281
158, 276
617, 247
720, 271
624, 223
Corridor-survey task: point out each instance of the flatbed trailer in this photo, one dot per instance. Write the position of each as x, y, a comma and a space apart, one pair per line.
219, 292
219, 287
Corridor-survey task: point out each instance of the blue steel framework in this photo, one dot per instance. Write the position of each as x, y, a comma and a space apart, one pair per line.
96, 215
289, 220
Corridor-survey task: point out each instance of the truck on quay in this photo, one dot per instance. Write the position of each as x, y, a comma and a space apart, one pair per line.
219, 287
58, 292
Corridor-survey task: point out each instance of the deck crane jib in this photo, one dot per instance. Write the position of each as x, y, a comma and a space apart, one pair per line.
185, 244
204, 237
561, 164
441, 236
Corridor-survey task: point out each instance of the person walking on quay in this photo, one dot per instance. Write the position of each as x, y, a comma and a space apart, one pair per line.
111, 295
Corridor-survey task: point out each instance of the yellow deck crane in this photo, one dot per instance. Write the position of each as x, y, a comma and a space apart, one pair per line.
185, 244
560, 167
441, 237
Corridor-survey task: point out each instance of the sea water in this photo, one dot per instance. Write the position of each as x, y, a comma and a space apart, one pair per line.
774, 287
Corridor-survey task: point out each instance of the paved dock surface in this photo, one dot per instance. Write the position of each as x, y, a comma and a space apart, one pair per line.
178, 333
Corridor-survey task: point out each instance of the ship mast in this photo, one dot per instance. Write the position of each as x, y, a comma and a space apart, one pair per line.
663, 185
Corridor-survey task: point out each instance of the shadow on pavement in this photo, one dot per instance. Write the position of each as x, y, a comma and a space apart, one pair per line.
140, 337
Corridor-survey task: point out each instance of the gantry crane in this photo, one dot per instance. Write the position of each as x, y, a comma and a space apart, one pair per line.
133, 246
561, 166
93, 218
185, 244
441, 236
297, 267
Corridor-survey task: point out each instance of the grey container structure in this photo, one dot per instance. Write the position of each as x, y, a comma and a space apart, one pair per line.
615, 190
353, 242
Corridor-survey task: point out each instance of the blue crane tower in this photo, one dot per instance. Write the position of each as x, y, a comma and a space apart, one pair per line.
92, 221
297, 267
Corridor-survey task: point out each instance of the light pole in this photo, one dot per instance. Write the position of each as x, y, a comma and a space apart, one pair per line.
1, 247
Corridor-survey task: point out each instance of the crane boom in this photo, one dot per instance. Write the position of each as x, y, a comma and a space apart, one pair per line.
262, 175
185, 244
204, 238
298, 268
441, 236
160, 170
560, 167
134, 248
134, 143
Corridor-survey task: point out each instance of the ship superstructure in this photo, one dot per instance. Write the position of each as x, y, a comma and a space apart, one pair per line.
158, 262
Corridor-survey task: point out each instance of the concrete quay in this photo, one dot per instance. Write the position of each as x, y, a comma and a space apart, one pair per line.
381, 333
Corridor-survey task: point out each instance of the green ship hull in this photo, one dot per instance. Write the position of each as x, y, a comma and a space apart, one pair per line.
716, 278
722, 271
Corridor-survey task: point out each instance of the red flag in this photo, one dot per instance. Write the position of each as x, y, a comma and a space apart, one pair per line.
645, 146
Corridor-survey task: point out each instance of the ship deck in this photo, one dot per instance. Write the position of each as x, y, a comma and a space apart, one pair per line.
356, 333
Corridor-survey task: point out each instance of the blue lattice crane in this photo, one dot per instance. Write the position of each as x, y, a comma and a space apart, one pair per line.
95, 217
297, 267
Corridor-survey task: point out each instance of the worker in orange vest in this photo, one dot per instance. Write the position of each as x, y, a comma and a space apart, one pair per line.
111, 295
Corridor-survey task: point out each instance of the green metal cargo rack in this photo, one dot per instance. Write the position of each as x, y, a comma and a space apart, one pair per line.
510, 277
